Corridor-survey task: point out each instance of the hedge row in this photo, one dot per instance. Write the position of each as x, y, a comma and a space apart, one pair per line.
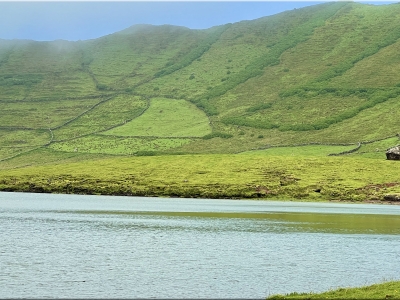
217, 134
22, 79
196, 53
341, 68
374, 99
272, 57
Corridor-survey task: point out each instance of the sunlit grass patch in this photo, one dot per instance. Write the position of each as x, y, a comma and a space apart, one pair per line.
75, 83
254, 175
13, 142
167, 118
387, 290
9, 152
42, 114
45, 156
112, 112
377, 149
311, 150
118, 145
10, 138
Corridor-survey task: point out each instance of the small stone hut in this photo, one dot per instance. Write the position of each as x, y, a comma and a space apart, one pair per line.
393, 153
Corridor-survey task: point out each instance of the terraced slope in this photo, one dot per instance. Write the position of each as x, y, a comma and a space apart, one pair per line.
324, 74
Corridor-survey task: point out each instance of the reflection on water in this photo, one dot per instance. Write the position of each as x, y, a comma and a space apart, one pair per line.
290, 222
121, 247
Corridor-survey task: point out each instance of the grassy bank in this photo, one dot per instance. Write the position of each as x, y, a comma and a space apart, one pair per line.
250, 175
387, 290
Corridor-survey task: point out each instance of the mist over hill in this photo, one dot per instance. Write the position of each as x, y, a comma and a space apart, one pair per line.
327, 74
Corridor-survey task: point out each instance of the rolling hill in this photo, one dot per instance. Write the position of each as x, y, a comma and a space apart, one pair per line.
326, 74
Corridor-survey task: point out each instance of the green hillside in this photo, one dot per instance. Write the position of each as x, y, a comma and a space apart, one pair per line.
327, 74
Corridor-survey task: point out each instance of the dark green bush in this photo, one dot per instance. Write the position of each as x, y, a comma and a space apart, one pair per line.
217, 134
146, 153
258, 107
195, 54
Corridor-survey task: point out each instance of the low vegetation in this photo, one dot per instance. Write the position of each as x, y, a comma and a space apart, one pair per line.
387, 290
325, 74
166, 118
254, 175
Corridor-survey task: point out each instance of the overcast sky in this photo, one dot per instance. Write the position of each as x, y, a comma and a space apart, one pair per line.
74, 20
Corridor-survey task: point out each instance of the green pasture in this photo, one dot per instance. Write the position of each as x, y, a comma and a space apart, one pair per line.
118, 145
9, 152
42, 57
363, 127
62, 85
306, 178
319, 76
15, 141
111, 112
16, 137
45, 156
386, 290
217, 65
42, 114
295, 113
377, 149
314, 59
166, 118
127, 58
311, 150
12, 93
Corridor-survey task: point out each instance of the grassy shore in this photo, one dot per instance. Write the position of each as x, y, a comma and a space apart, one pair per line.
250, 175
387, 290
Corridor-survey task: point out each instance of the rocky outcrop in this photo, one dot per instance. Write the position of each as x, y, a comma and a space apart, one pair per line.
393, 153
392, 197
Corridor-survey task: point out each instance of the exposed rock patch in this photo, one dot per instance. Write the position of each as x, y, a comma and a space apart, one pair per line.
392, 197
393, 153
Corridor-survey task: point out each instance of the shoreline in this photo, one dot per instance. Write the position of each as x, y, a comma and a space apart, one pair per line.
384, 290
374, 202
258, 177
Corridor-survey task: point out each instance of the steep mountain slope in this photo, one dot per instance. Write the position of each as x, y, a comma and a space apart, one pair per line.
324, 74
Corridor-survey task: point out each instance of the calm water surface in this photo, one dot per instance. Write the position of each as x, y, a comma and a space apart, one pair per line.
76, 246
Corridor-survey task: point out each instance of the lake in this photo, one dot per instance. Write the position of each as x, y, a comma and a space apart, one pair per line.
75, 246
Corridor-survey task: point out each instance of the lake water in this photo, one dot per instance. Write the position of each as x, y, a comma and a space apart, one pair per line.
74, 246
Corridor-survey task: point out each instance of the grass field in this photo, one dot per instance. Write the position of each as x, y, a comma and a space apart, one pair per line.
323, 74
108, 113
306, 178
118, 145
312, 150
42, 114
166, 118
15, 141
387, 290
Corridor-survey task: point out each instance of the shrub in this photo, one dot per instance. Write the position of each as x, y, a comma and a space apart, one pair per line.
146, 153
258, 107
217, 134
102, 87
